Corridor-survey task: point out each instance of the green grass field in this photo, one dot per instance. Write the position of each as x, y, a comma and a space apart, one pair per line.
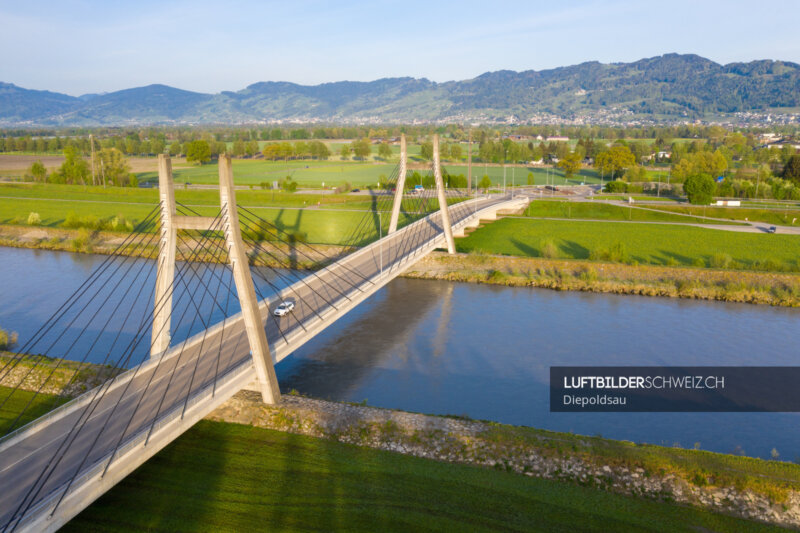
781, 216
646, 243
227, 477
333, 221
40, 404
360, 174
601, 211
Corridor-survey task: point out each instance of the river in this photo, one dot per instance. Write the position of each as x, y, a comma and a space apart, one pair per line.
484, 351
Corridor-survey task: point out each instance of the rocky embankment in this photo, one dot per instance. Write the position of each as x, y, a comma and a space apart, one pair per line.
529, 452
47, 375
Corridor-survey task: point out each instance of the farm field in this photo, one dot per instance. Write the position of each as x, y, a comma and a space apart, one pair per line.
228, 477
645, 243
602, 211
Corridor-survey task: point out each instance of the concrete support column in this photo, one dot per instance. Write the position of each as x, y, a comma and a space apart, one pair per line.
165, 268
400, 186
254, 324
437, 172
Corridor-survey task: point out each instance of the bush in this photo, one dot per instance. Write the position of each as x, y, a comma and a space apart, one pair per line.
71, 221
7, 340
616, 186
34, 219
288, 184
119, 223
83, 242
721, 260
548, 249
92, 222
617, 253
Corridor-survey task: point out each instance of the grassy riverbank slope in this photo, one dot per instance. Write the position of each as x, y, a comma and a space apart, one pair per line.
222, 476
655, 244
228, 477
769, 288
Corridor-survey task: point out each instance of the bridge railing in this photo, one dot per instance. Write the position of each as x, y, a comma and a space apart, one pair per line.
138, 439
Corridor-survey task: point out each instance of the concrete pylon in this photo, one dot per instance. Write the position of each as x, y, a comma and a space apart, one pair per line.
437, 173
254, 324
400, 186
165, 269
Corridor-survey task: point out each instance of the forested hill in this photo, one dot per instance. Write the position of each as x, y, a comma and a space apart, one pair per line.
669, 86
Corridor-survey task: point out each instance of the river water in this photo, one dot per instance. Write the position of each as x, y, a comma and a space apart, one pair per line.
484, 351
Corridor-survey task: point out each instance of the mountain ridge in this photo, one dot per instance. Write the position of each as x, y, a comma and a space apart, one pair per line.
671, 86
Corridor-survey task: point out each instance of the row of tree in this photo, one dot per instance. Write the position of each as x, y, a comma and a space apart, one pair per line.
108, 167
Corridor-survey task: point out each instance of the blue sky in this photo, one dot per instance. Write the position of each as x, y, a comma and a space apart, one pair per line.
86, 46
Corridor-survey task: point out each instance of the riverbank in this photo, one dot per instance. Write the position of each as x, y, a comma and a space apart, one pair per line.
222, 477
768, 288
767, 491
279, 255
597, 471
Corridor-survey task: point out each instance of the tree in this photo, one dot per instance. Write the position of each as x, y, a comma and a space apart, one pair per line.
426, 150
344, 153
38, 171
288, 184
614, 160
238, 148
361, 149
570, 164
791, 171
485, 182
384, 150
699, 188
252, 148
114, 168
175, 148
74, 169
319, 150
198, 151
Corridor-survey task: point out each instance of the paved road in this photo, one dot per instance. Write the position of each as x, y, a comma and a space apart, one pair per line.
43, 459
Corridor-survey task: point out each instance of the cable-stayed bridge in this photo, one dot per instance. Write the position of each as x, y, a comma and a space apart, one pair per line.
176, 337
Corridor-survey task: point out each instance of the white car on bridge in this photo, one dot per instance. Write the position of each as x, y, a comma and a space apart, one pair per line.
284, 308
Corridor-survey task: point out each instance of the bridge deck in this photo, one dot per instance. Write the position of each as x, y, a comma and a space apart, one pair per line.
145, 408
